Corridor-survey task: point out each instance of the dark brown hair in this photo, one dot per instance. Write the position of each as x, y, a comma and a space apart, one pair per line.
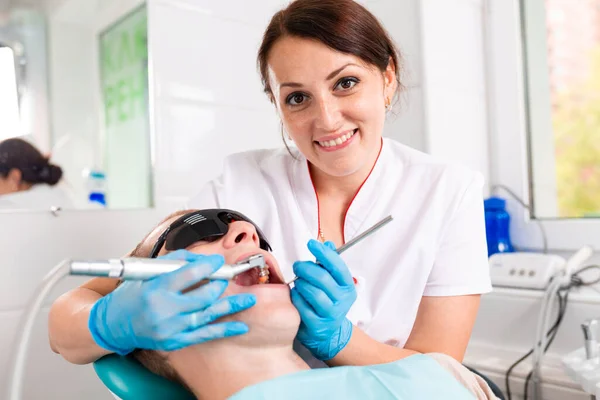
342, 25
35, 168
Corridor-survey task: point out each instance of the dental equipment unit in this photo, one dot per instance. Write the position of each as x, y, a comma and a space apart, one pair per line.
357, 239
127, 269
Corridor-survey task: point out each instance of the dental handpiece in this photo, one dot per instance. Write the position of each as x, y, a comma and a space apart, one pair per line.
133, 268
358, 238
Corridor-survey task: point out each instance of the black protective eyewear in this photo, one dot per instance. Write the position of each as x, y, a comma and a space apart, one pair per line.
202, 225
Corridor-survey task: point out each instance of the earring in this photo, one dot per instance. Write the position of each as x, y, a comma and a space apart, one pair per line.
388, 104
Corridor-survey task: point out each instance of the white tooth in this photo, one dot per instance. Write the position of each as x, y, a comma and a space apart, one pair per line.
338, 141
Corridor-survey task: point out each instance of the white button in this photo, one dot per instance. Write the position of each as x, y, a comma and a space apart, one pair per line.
360, 324
392, 342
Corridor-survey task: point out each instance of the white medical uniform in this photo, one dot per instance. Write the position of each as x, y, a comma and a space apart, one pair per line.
435, 245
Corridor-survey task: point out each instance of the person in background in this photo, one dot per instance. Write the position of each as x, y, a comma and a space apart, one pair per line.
28, 179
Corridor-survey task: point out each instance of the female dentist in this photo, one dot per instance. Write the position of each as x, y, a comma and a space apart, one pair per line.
331, 71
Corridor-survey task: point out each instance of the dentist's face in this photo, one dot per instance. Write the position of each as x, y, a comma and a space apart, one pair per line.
331, 104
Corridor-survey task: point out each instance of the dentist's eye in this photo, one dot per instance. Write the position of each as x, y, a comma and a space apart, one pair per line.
346, 83
295, 99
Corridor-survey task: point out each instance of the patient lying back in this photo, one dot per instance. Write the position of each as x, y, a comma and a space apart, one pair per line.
261, 362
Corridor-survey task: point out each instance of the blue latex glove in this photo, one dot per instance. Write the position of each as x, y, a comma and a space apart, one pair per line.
155, 315
323, 295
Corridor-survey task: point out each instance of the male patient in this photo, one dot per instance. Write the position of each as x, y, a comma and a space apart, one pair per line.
262, 363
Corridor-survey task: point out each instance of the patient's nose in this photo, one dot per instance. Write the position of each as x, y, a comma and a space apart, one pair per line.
241, 232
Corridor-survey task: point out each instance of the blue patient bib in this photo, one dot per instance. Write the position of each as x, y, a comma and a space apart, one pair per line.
417, 377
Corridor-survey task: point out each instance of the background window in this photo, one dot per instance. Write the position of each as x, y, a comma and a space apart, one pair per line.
9, 101
562, 57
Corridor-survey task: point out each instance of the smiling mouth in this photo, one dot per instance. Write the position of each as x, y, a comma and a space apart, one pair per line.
338, 141
255, 277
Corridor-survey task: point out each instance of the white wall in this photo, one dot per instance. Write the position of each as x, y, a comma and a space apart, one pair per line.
406, 123
205, 93
210, 98
454, 79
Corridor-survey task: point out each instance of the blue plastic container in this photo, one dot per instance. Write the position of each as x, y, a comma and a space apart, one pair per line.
497, 226
97, 188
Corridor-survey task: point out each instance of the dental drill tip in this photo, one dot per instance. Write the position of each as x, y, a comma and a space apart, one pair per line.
263, 274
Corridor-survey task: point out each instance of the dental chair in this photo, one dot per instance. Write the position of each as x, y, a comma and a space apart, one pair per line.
127, 379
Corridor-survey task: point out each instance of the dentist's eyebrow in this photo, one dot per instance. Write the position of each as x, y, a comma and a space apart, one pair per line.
329, 77
291, 84
337, 71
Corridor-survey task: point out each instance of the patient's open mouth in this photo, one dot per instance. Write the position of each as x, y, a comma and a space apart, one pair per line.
256, 276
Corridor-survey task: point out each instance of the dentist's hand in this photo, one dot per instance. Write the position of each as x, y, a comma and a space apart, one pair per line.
323, 295
155, 315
